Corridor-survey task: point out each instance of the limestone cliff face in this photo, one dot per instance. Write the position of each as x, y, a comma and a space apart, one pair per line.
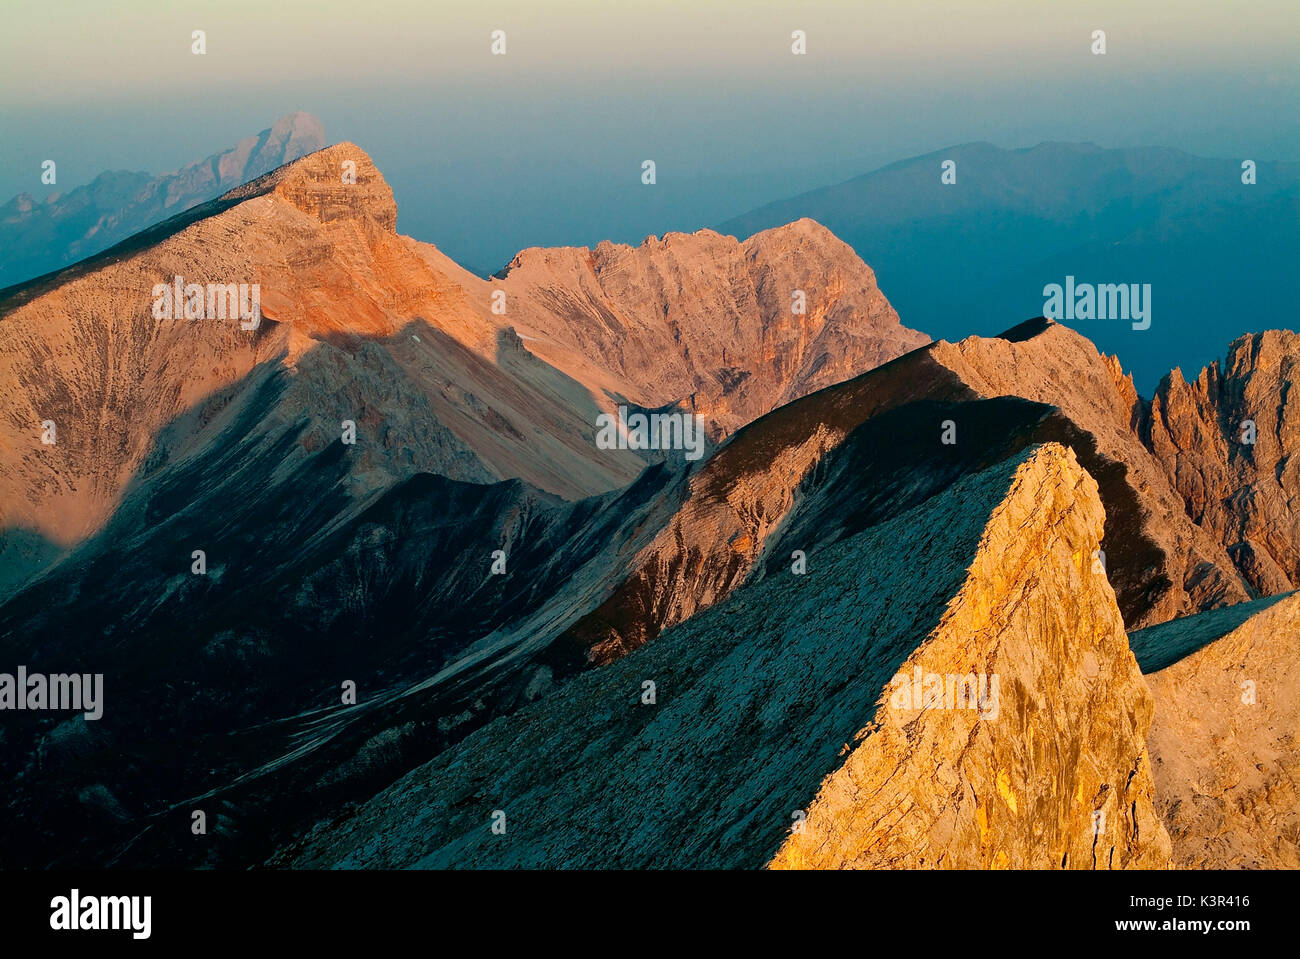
733, 328
705, 747
1224, 738
339, 183
1189, 569
1059, 777
1228, 443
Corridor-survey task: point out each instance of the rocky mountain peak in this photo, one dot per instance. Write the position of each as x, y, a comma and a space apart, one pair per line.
41, 237
296, 132
321, 184
1226, 441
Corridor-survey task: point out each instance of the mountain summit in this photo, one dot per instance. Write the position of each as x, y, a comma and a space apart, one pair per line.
961, 257
40, 237
478, 380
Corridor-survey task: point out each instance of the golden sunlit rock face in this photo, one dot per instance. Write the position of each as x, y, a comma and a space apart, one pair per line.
1051, 770
1224, 739
1183, 568
1228, 442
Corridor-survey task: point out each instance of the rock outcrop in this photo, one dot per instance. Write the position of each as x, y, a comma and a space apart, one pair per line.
1187, 569
1226, 760
1060, 777
1228, 442
739, 328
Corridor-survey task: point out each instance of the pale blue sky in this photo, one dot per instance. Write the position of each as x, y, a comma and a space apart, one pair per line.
544, 145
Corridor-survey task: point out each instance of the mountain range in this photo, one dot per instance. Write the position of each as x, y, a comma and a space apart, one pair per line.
41, 236
364, 585
956, 257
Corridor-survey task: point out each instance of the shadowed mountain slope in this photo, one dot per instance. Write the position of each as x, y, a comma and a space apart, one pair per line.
853, 455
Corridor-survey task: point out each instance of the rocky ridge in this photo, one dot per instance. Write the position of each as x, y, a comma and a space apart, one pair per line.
777, 701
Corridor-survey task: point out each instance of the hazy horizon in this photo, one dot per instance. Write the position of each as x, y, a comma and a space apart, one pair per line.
547, 141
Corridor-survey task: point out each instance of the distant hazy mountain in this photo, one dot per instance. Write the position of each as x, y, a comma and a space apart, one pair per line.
39, 237
960, 259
